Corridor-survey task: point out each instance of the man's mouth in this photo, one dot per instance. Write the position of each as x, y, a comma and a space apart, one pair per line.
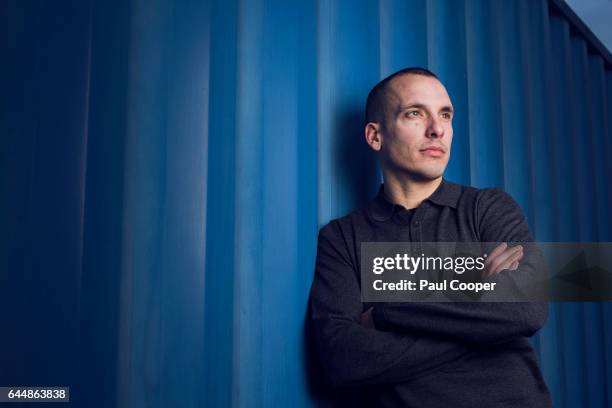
433, 151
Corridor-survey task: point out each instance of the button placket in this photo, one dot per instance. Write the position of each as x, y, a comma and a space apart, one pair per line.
417, 221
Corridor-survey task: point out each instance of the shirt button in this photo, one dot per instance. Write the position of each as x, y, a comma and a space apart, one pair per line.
415, 223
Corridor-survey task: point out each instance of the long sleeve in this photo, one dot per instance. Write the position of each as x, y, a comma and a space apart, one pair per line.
350, 353
500, 220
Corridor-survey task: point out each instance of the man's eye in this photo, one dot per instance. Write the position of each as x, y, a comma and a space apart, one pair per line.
447, 115
412, 113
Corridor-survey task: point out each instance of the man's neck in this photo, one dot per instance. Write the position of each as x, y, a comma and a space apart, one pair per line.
409, 193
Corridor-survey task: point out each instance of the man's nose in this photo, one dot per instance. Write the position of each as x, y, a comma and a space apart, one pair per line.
435, 128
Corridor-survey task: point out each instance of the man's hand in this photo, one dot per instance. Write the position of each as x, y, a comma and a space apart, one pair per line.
503, 257
366, 319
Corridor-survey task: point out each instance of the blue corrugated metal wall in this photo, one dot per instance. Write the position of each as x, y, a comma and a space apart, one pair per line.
166, 166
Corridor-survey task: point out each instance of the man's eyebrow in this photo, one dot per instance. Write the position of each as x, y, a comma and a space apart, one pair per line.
447, 108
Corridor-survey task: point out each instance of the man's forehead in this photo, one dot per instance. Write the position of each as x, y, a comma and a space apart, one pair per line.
413, 88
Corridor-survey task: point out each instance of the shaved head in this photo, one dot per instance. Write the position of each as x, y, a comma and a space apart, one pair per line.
380, 102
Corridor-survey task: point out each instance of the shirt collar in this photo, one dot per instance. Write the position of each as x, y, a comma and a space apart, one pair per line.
381, 209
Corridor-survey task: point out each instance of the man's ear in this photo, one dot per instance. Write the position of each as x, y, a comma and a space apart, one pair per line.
373, 136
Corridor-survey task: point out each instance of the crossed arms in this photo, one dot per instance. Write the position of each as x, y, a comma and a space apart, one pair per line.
411, 339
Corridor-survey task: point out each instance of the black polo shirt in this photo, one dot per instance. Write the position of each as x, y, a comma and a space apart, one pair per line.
426, 354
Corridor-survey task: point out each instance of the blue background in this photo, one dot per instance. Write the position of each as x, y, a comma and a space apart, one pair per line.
165, 167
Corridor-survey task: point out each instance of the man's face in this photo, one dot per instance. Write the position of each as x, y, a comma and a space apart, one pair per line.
417, 137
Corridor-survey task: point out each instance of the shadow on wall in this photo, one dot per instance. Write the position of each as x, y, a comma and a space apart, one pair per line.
355, 162
358, 178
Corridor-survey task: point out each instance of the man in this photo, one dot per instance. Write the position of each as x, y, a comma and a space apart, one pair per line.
424, 354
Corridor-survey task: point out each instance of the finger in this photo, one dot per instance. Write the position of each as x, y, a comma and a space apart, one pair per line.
506, 258
508, 264
499, 258
493, 256
496, 252
516, 262
509, 260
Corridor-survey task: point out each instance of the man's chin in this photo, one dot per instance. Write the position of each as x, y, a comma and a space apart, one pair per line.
427, 175
422, 174
423, 178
